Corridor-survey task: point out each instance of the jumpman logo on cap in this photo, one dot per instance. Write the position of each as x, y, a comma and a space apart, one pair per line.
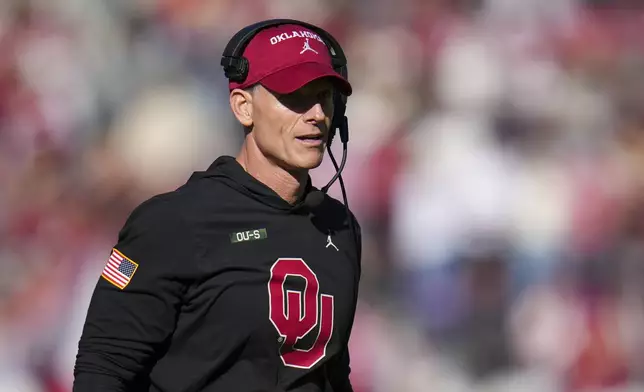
308, 47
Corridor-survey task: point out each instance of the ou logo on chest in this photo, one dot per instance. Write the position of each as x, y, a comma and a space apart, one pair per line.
295, 318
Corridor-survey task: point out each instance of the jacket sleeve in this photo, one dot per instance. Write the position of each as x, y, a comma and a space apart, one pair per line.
340, 368
338, 372
126, 326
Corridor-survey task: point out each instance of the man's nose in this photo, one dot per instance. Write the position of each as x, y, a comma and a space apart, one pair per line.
316, 114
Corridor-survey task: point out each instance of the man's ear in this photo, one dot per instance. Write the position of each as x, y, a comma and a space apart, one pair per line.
241, 103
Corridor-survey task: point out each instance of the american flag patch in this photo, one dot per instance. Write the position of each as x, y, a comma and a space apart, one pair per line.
119, 269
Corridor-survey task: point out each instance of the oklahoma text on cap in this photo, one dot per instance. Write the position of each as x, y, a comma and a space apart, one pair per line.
287, 57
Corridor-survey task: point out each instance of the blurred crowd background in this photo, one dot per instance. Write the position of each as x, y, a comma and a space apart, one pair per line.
496, 164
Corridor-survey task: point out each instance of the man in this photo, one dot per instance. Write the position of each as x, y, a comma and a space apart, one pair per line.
227, 283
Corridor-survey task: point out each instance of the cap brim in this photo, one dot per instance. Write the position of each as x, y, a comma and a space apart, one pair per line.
288, 80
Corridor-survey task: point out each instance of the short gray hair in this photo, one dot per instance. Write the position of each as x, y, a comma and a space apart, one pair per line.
251, 89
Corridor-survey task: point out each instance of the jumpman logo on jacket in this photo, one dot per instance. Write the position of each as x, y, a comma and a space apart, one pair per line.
329, 242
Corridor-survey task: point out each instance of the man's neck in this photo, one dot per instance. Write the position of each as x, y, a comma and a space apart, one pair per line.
289, 186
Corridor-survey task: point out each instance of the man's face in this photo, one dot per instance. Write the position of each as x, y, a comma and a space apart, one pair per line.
292, 130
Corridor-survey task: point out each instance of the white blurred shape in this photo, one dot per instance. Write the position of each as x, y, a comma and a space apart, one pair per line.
167, 134
469, 73
17, 380
458, 185
311, 11
372, 118
386, 57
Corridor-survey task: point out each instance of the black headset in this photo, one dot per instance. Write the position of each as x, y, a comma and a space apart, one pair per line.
236, 68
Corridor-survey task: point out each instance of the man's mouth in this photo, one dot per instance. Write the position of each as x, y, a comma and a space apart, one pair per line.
311, 140
310, 137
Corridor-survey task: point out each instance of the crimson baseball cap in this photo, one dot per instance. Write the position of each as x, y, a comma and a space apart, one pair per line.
284, 58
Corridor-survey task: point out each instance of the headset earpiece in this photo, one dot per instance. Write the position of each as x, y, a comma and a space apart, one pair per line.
339, 110
235, 69
339, 104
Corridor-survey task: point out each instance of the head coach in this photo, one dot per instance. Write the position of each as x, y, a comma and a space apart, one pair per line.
246, 277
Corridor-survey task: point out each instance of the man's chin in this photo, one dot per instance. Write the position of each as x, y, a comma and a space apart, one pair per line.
308, 161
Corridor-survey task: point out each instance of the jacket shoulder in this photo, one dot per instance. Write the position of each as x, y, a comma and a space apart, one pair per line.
339, 211
159, 211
